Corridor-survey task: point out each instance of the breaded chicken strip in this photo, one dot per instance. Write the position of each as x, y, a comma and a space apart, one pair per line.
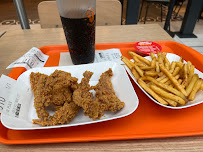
64, 115
38, 82
106, 94
83, 98
55, 89
61, 85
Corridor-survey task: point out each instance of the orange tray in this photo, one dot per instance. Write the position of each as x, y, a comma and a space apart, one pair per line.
148, 121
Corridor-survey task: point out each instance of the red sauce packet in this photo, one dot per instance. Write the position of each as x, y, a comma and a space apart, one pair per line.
145, 47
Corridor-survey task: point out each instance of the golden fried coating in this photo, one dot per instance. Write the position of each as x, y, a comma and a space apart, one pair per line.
38, 82
57, 107
83, 98
64, 115
55, 89
61, 85
34, 79
62, 91
106, 94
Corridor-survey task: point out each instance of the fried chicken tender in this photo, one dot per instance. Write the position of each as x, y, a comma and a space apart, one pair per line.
55, 89
62, 91
83, 98
61, 85
64, 115
106, 94
38, 82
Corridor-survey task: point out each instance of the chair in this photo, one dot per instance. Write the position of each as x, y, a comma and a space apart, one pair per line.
108, 12
161, 2
179, 3
200, 14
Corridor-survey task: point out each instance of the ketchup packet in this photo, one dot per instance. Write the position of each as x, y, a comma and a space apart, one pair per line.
145, 47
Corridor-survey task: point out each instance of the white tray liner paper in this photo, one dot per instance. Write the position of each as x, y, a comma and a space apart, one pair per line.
23, 120
100, 56
173, 57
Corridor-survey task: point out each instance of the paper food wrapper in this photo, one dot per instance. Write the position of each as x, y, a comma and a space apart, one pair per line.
22, 111
16, 97
10, 99
13, 97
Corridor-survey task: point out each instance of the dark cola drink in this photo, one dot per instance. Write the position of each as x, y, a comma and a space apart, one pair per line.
80, 36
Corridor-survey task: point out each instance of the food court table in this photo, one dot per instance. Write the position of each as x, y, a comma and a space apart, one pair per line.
15, 43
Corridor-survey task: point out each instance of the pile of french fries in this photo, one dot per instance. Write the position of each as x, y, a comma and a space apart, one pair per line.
172, 84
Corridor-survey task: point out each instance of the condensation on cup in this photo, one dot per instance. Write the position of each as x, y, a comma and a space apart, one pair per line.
78, 18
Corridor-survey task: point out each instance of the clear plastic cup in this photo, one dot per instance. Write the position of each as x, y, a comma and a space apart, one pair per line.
78, 20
